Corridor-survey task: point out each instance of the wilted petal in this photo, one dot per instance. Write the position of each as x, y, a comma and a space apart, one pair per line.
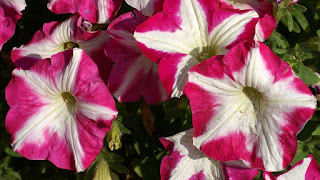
248, 106
147, 7
56, 36
306, 169
10, 12
191, 31
60, 110
97, 11
186, 162
133, 74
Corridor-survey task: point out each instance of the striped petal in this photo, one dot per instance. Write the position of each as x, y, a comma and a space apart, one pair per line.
10, 12
55, 37
186, 162
133, 74
306, 169
147, 7
267, 22
191, 31
60, 110
248, 106
97, 11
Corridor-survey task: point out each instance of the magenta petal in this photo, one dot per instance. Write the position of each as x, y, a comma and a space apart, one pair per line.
186, 162
54, 36
101, 11
306, 169
10, 12
147, 7
60, 110
133, 74
248, 106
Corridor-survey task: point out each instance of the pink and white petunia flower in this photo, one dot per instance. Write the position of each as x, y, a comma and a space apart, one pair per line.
267, 22
60, 110
56, 36
95, 11
147, 7
186, 162
306, 169
10, 12
133, 74
248, 105
187, 32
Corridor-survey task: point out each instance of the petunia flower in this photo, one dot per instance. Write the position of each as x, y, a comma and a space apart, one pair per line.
146, 7
248, 105
186, 162
187, 32
267, 22
60, 110
98, 11
10, 12
133, 74
306, 169
57, 36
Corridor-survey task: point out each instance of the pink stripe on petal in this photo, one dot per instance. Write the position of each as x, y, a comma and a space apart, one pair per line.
168, 163
232, 147
237, 173
198, 176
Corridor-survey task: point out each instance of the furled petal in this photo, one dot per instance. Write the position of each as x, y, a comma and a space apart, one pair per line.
147, 7
186, 162
95, 11
10, 12
191, 31
60, 110
133, 74
306, 169
56, 36
248, 106
267, 22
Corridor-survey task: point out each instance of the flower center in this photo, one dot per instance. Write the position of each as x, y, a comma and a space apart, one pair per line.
69, 100
70, 45
255, 97
205, 55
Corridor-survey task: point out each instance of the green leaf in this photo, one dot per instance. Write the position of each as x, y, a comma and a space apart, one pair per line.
302, 152
298, 7
280, 40
12, 153
118, 167
318, 33
306, 74
302, 20
290, 21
